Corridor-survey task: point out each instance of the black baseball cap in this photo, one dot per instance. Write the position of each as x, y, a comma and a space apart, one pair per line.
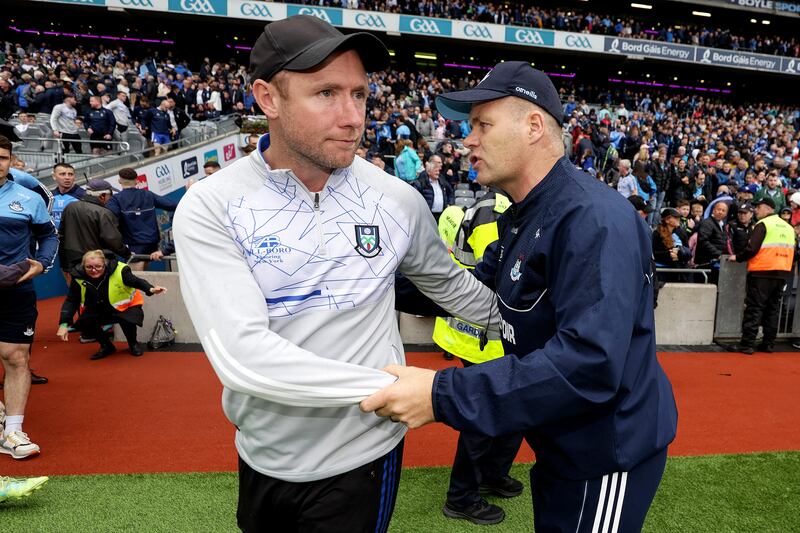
765, 201
510, 78
100, 185
302, 42
639, 204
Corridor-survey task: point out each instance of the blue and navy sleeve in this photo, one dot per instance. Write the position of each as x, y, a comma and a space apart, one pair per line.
162, 202
595, 275
44, 233
113, 206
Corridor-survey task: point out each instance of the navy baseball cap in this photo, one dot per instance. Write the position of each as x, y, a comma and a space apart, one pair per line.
302, 42
510, 78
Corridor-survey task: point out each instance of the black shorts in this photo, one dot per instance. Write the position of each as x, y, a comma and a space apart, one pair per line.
17, 316
358, 501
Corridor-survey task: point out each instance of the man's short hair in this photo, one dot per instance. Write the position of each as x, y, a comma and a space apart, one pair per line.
62, 164
211, 164
682, 202
5, 143
128, 174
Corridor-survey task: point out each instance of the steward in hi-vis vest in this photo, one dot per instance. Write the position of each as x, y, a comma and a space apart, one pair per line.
769, 254
467, 234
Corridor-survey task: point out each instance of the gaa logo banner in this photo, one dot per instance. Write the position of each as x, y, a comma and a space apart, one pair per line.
368, 240
200, 7
154, 5
330, 15
426, 26
530, 36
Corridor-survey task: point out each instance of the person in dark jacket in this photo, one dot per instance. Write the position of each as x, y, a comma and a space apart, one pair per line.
104, 291
434, 188
100, 124
88, 225
712, 240
573, 277
669, 249
739, 230
659, 171
136, 211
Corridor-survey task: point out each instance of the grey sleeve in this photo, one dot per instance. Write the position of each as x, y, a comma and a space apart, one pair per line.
428, 265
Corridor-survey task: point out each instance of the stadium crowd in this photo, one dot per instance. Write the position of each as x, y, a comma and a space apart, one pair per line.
576, 20
673, 150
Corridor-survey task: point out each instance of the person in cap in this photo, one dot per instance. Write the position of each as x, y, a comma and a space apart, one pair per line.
740, 229
287, 260
24, 220
786, 214
136, 211
670, 250
88, 225
586, 389
769, 255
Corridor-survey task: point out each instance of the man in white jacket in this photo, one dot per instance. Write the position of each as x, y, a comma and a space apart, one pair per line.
287, 260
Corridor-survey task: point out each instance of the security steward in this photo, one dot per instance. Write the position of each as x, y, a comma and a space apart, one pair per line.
769, 255
481, 463
573, 279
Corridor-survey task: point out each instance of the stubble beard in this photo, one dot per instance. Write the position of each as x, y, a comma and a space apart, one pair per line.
305, 149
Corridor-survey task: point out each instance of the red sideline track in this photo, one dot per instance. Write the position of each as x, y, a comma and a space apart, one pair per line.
161, 412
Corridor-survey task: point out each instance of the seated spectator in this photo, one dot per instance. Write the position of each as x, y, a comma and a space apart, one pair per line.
786, 214
376, 159
136, 211
105, 291
407, 165
669, 249
434, 188
712, 240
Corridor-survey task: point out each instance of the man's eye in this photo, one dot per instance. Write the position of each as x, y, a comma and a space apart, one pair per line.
326, 93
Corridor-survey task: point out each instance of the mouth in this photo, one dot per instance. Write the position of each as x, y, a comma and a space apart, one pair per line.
474, 160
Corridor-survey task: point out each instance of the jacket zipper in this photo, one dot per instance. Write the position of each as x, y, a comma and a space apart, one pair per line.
318, 218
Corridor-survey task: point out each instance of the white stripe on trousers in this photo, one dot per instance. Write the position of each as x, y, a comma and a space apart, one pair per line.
605, 502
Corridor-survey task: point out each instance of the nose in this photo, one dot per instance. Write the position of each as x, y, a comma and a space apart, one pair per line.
353, 113
471, 140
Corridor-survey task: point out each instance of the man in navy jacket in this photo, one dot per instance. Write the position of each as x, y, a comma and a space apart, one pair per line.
136, 211
573, 278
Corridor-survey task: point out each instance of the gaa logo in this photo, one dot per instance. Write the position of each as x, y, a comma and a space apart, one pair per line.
424, 26
137, 3
578, 41
475, 30
706, 57
255, 10
528, 37
198, 6
369, 21
319, 13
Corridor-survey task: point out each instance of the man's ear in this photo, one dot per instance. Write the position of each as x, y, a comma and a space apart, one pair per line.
535, 125
267, 97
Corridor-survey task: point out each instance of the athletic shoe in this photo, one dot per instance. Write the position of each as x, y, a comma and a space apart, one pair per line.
505, 487
482, 513
765, 347
37, 379
14, 489
18, 445
86, 340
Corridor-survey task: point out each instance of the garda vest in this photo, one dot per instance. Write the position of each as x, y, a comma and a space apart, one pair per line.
467, 234
120, 296
777, 250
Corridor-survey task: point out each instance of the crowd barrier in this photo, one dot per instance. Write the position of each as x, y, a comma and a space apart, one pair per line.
685, 314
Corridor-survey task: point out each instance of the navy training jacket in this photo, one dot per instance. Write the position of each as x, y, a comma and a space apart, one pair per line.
136, 211
573, 277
